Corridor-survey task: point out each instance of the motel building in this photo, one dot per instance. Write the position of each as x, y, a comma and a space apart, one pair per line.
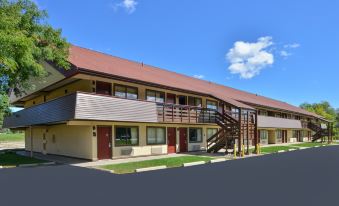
107, 107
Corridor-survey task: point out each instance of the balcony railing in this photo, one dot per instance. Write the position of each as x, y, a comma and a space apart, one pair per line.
93, 107
184, 114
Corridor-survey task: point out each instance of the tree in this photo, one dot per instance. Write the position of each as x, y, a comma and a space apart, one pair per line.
26, 40
323, 109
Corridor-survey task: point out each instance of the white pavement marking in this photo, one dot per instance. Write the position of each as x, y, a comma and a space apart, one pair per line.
193, 163
151, 168
218, 160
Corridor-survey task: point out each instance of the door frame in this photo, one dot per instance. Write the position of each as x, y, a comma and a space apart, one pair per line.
110, 146
175, 139
185, 140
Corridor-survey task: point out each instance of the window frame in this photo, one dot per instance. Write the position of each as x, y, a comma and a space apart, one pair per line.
125, 88
154, 127
124, 145
155, 92
216, 103
189, 134
194, 101
265, 136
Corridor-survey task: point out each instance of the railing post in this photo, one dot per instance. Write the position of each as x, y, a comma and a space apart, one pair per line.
172, 113
189, 114
163, 112
180, 114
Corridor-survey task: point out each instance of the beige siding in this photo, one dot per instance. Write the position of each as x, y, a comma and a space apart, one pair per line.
73, 141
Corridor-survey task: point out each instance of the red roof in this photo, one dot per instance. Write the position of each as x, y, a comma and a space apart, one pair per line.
107, 64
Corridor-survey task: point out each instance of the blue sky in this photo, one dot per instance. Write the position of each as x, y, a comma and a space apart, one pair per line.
287, 50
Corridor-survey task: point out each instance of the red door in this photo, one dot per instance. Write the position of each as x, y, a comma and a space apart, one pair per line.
183, 139
104, 88
104, 142
171, 140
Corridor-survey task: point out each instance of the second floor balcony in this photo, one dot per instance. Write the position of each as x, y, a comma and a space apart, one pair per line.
92, 107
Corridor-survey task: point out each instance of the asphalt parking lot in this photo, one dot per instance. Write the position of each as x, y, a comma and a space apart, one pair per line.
304, 177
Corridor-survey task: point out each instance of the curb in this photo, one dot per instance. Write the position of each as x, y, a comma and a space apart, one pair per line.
217, 160
281, 151
37, 164
151, 168
28, 165
193, 163
48, 163
316, 146
292, 150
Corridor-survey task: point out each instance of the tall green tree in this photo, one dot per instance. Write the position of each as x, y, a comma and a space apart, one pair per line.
26, 40
323, 108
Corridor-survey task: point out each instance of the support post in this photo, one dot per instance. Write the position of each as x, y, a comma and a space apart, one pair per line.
31, 136
247, 135
328, 132
256, 141
240, 129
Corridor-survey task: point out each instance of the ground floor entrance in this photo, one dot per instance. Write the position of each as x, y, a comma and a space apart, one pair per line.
183, 139
171, 140
104, 134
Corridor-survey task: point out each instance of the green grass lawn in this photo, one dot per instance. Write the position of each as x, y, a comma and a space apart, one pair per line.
273, 149
14, 137
169, 162
308, 144
12, 159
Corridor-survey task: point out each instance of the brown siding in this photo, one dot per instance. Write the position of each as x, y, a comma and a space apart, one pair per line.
94, 107
58, 110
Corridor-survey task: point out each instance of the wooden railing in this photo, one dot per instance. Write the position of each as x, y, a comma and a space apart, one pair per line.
185, 114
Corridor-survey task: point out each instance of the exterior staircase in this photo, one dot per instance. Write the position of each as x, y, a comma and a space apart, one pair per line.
226, 135
319, 132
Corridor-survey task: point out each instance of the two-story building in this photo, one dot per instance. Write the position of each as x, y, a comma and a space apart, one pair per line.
108, 107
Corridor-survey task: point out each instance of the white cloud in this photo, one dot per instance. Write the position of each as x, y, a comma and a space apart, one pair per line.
199, 76
128, 5
248, 59
293, 46
284, 53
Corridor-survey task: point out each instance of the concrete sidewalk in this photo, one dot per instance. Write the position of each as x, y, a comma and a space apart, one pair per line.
125, 160
12, 145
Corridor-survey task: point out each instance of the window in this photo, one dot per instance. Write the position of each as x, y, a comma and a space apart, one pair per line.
126, 136
182, 100
263, 112
156, 135
155, 96
211, 104
125, 92
195, 135
194, 101
263, 134
278, 134
211, 132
